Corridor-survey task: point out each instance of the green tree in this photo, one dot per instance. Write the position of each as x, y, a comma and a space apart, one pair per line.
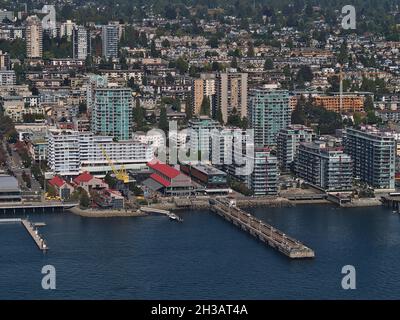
219, 116
181, 65
84, 200
163, 122
205, 106
268, 64
138, 116
188, 108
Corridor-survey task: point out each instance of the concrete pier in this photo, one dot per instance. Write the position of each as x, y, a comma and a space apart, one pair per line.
31, 228
261, 230
35, 235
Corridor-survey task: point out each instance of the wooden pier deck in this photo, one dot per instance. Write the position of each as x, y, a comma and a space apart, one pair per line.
262, 231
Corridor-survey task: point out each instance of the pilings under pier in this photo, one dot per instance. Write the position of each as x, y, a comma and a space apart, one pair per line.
262, 231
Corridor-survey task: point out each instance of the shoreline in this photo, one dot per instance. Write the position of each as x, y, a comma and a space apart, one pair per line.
205, 205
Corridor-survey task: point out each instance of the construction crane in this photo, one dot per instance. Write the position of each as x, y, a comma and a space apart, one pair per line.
120, 174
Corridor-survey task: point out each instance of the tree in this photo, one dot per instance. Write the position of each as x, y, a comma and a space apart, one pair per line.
82, 107
138, 116
205, 106
84, 200
234, 119
250, 49
163, 122
304, 74
234, 63
153, 51
181, 65
51, 191
219, 116
268, 64
188, 108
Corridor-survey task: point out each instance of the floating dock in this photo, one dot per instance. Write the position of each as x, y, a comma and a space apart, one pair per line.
261, 230
31, 228
167, 213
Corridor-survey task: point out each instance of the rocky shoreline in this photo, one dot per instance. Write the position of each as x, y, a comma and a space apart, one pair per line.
90, 213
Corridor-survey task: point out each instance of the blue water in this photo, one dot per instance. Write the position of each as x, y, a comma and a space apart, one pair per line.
204, 257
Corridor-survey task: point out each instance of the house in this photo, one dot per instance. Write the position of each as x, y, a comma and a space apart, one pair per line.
89, 182
63, 188
108, 199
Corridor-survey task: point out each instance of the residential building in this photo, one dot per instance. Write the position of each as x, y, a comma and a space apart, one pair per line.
263, 179
80, 42
63, 188
324, 167
288, 141
7, 77
71, 152
5, 61
112, 112
67, 28
34, 37
203, 87
63, 152
350, 103
199, 133
231, 93
269, 112
373, 152
110, 39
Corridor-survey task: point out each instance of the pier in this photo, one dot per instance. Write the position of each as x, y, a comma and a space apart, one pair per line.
391, 202
261, 230
31, 228
33, 207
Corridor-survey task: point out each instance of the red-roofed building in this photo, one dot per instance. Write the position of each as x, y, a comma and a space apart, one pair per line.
89, 182
168, 180
63, 188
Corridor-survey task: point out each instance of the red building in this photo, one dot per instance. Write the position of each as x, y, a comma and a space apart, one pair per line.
168, 180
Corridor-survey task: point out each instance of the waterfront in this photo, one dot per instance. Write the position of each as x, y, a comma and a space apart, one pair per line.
205, 256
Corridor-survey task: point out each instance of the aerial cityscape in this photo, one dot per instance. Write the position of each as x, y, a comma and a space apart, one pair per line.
158, 150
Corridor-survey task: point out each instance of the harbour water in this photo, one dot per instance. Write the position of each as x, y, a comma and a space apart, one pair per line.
204, 257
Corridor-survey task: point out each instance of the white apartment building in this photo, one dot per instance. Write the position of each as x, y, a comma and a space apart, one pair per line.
7, 77
71, 153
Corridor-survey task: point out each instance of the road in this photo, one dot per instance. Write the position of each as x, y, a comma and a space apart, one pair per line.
14, 163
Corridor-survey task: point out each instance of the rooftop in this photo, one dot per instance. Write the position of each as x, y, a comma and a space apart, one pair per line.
163, 168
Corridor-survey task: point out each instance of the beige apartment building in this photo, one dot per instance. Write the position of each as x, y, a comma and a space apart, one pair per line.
231, 93
34, 37
203, 87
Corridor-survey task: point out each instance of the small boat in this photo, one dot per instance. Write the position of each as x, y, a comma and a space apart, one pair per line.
174, 217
